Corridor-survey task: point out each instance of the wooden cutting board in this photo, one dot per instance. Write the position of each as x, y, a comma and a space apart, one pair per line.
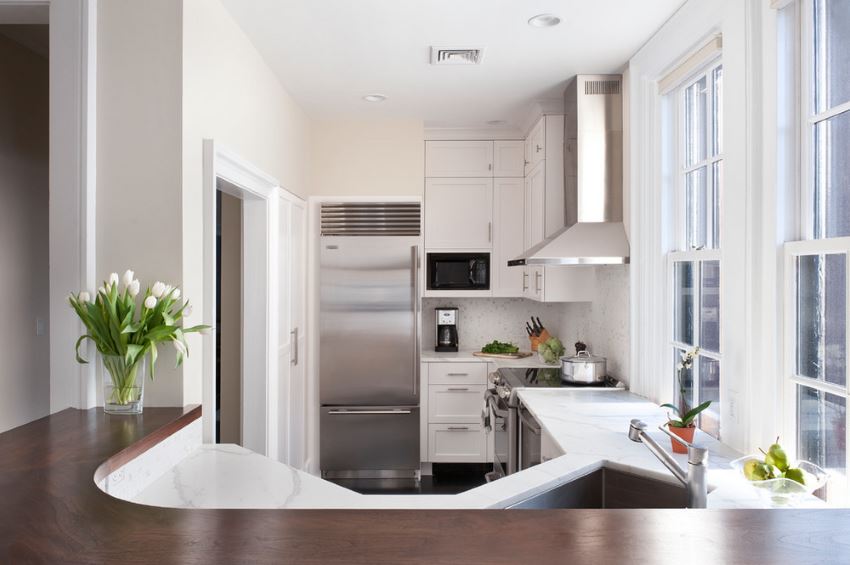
517, 355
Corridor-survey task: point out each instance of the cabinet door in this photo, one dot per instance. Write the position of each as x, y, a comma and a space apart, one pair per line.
537, 145
458, 158
536, 200
458, 213
508, 236
508, 158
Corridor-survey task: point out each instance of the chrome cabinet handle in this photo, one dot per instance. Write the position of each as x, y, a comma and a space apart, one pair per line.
457, 374
294, 359
458, 428
538, 148
524, 281
537, 276
490, 166
457, 389
367, 412
490, 231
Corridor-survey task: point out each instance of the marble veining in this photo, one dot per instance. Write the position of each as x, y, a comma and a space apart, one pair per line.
590, 426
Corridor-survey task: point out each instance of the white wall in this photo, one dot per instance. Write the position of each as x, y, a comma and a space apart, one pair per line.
368, 158
24, 356
139, 154
229, 95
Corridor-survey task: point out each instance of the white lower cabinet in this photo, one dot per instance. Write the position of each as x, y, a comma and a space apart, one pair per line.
452, 400
457, 443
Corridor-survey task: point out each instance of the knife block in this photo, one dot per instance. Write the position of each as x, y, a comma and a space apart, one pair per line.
536, 340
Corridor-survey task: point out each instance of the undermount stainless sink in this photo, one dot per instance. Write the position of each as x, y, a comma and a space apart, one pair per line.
609, 488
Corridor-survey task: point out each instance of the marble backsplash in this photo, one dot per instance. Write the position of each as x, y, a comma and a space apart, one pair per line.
602, 324
481, 320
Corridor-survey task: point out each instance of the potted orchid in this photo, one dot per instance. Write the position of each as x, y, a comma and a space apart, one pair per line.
683, 426
126, 330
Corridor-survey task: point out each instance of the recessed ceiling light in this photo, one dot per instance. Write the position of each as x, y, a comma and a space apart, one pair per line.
544, 20
496, 122
374, 98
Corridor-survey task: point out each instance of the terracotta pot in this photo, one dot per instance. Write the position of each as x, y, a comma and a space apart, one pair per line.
686, 434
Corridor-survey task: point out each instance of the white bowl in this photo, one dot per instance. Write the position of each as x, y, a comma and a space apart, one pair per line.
784, 490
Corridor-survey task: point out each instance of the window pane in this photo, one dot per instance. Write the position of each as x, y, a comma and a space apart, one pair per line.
832, 53
687, 377
821, 317
709, 389
709, 333
695, 208
717, 111
683, 310
695, 122
832, 176
714, 206
821, 429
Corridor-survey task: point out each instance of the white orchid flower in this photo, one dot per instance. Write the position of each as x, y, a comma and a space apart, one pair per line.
680, 366
84, 297
133, 288
127, 278
113, 279
179, 346
157, 289
150, 302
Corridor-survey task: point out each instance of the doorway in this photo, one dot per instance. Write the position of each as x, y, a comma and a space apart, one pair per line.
24, 223
228, 367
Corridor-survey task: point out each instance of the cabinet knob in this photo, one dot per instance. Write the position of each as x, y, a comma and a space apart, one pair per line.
538, 148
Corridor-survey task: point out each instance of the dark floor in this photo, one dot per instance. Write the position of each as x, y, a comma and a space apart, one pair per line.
448, 478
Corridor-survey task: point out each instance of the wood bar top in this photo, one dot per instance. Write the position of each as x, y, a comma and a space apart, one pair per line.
51, 511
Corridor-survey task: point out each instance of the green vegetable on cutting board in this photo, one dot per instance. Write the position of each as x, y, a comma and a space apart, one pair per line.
496, 346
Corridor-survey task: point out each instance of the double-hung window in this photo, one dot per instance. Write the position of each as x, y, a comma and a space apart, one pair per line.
694, 263
817, 286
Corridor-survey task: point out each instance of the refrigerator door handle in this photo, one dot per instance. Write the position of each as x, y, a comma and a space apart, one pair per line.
367, 412
414, 272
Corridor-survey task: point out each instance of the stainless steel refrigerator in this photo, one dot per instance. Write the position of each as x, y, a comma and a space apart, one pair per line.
369, 340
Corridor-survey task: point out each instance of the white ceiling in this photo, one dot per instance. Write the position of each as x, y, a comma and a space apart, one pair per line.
329, 53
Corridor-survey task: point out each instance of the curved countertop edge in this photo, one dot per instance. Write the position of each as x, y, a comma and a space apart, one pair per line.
51, 511
145, 443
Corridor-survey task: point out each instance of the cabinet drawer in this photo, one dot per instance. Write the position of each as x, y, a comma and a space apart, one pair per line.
457, 373
457, 443
455, 403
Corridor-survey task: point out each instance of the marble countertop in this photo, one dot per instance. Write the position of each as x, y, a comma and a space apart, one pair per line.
589, 426
466, 356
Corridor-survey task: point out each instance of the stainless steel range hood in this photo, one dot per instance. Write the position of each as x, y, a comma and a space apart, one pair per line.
593, 179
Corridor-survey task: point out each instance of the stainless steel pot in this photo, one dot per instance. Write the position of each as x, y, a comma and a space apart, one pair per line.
583, 368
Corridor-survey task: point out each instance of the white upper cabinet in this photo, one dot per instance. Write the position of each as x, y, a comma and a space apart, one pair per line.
458, 159
508, 238
508, 158
459, 213
535, 217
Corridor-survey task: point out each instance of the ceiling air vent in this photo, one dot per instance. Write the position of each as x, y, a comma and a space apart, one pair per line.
456, 55
602, 87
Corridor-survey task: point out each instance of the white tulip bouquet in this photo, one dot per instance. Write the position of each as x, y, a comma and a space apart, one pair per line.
124, 332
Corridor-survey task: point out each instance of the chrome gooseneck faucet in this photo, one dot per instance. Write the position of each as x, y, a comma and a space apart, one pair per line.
694, 478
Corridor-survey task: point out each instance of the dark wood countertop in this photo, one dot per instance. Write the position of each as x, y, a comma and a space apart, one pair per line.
51, 511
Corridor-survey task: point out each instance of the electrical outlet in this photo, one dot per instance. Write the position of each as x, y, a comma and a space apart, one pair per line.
40, 326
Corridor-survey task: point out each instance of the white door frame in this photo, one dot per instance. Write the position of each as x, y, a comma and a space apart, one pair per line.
259, 193
73, 104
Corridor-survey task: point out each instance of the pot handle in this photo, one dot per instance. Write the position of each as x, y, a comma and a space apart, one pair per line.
583, 353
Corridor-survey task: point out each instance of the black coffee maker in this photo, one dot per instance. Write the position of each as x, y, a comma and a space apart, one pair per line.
446, 329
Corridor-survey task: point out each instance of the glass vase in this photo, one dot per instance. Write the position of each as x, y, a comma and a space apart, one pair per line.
123, 384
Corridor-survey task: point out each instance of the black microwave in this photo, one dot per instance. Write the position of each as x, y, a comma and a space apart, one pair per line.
458, 271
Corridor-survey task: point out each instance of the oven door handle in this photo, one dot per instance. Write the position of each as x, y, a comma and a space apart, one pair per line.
529, 421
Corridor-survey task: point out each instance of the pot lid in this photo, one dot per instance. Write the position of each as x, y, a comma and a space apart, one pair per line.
583, 357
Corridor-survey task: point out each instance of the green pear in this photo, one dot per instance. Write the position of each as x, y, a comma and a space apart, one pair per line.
750, 471
795, 475
776, 456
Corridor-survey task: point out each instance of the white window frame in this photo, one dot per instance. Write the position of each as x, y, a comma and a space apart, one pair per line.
810, 244
679, 213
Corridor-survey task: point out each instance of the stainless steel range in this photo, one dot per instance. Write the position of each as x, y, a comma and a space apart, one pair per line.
516, 433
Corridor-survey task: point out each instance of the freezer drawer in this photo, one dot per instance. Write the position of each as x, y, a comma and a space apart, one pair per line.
369, 438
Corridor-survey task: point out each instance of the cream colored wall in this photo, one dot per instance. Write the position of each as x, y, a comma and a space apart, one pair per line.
368, 158
229, 95
139, 220
24, 356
